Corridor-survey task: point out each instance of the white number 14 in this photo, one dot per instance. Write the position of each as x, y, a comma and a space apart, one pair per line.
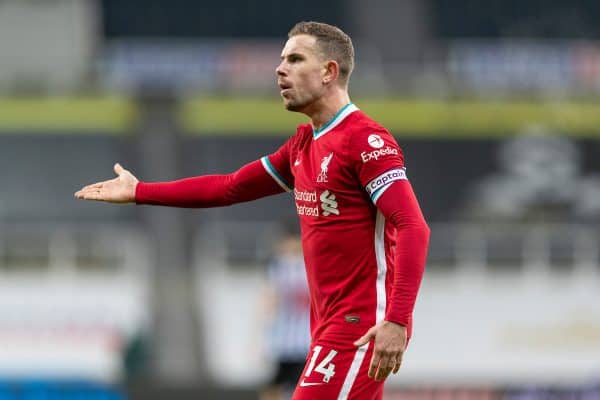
325, 367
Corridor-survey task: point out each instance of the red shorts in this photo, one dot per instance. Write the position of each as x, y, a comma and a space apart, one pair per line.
338, 373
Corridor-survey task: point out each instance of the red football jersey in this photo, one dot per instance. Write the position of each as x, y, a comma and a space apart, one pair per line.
336, 175
345, 178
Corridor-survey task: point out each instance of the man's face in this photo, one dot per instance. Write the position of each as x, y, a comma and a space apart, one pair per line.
300, 73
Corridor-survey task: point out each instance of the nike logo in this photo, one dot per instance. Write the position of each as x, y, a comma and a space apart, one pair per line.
297, 162
303, 384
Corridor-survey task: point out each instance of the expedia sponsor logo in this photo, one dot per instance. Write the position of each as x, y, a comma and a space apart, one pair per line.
377, 154
375, 141
385, 179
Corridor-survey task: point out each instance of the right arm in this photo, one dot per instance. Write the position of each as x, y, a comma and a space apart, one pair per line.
250, 182
257, 179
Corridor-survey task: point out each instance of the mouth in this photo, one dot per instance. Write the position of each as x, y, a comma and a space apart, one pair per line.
284, 87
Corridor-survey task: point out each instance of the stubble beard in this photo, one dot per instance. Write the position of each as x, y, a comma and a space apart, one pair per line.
296, 105
292, 104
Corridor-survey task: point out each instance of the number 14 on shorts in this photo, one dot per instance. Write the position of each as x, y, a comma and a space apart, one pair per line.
325, 367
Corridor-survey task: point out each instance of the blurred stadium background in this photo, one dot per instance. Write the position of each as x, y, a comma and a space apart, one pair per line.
496, 104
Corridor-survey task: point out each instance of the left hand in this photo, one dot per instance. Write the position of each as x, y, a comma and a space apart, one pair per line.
390, 343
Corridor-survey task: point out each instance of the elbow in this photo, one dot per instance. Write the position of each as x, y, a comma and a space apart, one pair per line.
416, 228
415, 223
423, 231
419, 230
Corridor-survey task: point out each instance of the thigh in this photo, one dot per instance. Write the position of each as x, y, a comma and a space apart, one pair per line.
338, 373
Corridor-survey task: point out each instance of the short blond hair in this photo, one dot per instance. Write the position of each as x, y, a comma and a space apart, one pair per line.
333, 43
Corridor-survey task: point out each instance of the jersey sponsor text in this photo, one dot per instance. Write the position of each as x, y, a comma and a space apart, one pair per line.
302, 195
328, 206
376, 154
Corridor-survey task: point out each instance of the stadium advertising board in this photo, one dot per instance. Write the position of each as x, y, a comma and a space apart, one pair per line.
518, 65
166, 65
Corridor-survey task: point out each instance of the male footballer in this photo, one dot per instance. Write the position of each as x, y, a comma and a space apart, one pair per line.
364, 237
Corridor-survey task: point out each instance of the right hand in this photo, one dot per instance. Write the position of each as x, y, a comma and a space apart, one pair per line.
118, 190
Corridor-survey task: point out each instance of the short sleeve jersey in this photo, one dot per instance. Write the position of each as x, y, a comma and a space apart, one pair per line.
336, 175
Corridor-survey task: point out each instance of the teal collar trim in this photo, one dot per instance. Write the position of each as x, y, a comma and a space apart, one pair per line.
335, 121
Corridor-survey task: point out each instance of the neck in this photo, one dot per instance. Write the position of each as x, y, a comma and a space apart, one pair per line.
327, 106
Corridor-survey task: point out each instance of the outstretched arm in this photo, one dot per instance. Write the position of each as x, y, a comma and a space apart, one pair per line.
250, 182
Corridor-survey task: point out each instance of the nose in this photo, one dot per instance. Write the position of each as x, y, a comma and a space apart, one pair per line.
280, 70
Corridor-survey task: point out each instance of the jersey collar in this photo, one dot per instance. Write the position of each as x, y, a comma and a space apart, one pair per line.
335, 120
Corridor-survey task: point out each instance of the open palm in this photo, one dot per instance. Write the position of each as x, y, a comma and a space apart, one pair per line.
118, 190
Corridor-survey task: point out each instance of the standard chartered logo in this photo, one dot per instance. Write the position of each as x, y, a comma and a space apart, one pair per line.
307, 203
328, 203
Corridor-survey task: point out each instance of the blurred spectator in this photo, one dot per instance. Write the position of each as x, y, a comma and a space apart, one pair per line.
287, 301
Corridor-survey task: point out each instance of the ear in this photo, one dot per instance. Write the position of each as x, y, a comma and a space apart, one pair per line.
331, 71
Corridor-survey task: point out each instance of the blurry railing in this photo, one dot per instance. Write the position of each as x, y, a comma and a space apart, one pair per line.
522, 246
510, 246
72, 248
236, 243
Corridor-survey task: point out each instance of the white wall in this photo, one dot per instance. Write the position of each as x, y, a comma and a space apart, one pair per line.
46, 44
